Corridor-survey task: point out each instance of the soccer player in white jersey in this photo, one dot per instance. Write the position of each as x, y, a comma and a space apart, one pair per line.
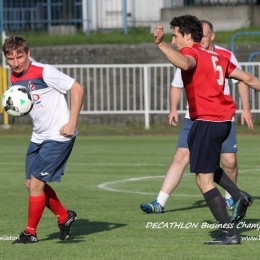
53, 136
181, 157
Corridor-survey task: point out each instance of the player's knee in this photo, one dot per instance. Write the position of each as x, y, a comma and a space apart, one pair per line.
199, 183
181, 156
27, 184
229, 164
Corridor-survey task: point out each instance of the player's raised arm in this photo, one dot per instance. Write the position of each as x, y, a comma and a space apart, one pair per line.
174, 56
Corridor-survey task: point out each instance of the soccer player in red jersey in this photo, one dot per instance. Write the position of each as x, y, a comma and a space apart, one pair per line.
181, 156
203, 74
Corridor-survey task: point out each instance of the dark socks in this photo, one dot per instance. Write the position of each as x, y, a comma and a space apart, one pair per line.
218, 208
222, 179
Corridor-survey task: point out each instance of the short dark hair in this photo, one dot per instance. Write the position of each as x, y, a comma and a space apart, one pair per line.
188, 24
15, 43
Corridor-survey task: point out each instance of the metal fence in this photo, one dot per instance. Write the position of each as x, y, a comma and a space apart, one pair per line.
68, 16
222, 2
141, 89
86, 15
40, 15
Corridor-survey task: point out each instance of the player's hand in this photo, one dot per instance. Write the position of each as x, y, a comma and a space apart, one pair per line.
173, 118
158, 34
246, 115
67, 130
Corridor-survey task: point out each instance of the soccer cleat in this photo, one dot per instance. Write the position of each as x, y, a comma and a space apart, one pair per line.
65, 227
240, 207
153, 207
25, 238
225, 240
230, 204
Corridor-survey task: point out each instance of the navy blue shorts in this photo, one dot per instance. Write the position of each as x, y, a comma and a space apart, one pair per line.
47, 161
205, 142
229, 145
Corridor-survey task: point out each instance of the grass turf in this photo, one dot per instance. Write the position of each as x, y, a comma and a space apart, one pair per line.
106, 179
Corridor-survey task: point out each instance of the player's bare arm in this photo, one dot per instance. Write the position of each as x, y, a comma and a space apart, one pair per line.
247, 78
246, 114
175, 94
174, 56
76, 94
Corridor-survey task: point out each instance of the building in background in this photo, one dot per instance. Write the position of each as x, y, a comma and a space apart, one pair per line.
88, 15
68, 16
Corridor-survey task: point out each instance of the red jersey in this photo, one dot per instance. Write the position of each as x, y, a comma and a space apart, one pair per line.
204, 85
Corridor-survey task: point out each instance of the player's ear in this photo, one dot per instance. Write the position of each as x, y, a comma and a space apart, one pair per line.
188, 36
212, 36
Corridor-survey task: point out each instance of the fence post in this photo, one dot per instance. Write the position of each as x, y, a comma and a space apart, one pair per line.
3, 87
232, 43
1, 16
146, 99
49, 8
124, 4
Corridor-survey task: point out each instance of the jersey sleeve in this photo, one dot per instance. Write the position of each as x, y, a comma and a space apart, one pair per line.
233, 59
57, 79
231, 67
189, 51
177, 79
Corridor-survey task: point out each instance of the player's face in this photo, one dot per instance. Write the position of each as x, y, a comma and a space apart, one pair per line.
18, 61
208, 37
178, 39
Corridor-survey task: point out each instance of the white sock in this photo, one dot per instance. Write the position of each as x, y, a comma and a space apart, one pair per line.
162, 198
227, 195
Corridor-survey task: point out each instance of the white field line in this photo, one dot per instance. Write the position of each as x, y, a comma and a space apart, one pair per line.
107, 185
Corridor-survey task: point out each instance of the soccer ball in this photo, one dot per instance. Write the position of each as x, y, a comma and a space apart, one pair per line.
17, 101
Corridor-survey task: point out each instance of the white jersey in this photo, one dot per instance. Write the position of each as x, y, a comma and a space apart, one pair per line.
178, 83
50, 110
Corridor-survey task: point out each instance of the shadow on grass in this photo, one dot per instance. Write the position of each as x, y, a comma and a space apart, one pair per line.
242, 227
197, 204
83, 227
201, 204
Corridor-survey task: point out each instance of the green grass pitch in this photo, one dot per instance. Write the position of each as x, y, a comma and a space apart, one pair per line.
106, 179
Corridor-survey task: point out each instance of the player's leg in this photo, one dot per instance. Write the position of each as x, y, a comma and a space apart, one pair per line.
218, 209
36, 204
46, 162
205, 140
229, 162
171, 181
58, 154
36, 200
241, 199
229, 165
174, 173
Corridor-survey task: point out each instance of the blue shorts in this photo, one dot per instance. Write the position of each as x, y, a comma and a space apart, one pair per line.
47, 161
205, 143
229, 145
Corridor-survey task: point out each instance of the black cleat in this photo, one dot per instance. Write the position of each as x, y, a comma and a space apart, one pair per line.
225, 240
65, 227
241, 206
25, 238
